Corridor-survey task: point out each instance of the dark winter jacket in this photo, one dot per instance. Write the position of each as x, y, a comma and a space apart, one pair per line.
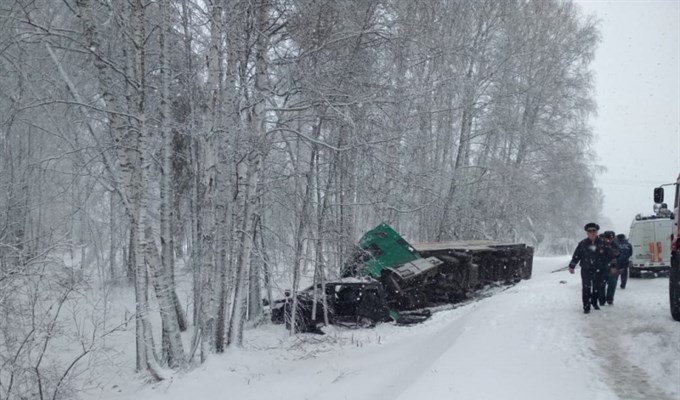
625, 252
595, 255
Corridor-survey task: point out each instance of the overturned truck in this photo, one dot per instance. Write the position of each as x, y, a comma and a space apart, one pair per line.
390, 279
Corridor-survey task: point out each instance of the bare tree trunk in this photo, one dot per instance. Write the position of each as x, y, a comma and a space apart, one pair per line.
322, 196
223, 272
138, 164
256, 126
238, 313
173, 350
167, 261
254, 283
196, 232
266, 269
303, 223
112, 239
226, 155
133, 162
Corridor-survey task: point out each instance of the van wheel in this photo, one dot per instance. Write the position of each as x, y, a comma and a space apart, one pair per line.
634, 273
674, 287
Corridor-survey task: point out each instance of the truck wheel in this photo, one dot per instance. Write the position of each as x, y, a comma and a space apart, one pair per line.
674, 286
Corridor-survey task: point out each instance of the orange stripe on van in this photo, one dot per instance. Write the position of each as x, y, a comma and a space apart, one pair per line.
659, 252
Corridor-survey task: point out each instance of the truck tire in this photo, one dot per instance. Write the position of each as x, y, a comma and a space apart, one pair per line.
674, 286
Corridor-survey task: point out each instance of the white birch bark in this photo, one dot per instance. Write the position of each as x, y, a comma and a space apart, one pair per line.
172, 345
209, 143
133, 166
256, 128
223, 233
238, 313
254, 286
164, 272
129, 164
299, 248
112, 240
138, 165
224, 205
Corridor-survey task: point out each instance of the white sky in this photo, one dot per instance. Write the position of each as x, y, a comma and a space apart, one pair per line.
529, 342
638, 96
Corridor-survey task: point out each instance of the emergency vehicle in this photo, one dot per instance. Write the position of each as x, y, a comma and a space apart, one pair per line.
650, 237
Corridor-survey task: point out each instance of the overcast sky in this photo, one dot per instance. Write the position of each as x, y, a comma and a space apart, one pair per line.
638, 96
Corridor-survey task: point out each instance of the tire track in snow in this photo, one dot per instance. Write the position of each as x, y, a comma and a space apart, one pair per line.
429, 350
623, 376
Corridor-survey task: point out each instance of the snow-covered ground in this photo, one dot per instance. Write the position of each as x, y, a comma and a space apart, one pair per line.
530, 341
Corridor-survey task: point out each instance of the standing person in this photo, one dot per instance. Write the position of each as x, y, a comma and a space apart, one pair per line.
592, 254
624, 258
610, 272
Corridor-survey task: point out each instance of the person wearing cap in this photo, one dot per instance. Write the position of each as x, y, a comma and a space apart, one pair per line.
593, 255
626, 252
610, 274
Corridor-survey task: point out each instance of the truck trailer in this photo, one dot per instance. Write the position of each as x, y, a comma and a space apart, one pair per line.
390, 279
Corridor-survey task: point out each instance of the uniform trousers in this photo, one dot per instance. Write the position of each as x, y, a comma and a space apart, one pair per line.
591, 283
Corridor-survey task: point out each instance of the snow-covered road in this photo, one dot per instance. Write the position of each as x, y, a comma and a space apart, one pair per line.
628, 343
531, 341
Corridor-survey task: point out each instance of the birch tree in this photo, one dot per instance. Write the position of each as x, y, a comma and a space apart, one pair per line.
256, 129
134, 170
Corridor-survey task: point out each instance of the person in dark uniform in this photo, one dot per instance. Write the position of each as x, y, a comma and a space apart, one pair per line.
624, 258
610, 274
593, 255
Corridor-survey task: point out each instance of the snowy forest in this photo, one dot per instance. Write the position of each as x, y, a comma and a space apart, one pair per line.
248, 144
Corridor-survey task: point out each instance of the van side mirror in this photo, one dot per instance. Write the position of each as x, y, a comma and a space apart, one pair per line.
658, 195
